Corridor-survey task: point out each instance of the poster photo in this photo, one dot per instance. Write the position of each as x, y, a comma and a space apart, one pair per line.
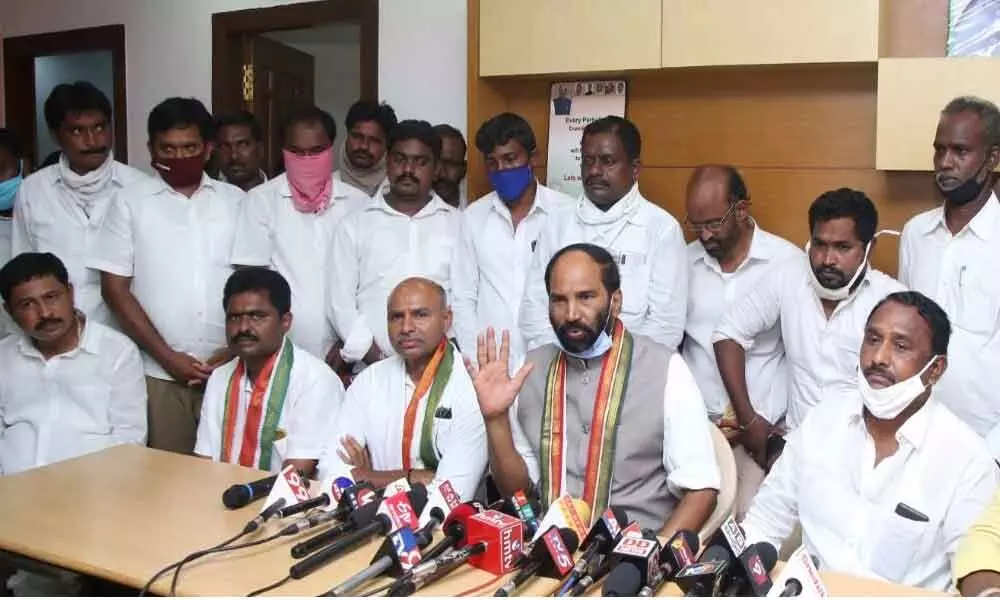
974, 28
574, 105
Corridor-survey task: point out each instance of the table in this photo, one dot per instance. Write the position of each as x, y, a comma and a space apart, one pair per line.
126, 512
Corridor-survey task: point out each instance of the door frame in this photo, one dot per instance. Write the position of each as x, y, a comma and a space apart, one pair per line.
19, 54
229, 27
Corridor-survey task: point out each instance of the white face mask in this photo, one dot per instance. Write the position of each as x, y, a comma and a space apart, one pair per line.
841, 293
888, 402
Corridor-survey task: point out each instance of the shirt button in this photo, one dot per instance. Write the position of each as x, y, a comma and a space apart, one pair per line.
586, 429
586, 380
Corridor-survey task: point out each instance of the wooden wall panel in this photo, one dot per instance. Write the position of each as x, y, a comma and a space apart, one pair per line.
913, 28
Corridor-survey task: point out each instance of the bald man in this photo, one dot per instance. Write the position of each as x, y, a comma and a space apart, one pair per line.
414, 414
731, 255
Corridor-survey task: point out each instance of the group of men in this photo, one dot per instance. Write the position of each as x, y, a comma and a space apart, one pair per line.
564, 346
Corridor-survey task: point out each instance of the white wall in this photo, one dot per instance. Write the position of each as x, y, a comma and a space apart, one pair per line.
168, 51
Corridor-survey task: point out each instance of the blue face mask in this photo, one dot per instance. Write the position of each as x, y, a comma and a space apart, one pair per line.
8, 190
600, 346
511, 183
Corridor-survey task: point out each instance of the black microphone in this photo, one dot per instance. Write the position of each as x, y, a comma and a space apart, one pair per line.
301, 507
453, 529
643, 554
363, 515
398, 554
679, 552
624, 580
705, 577
750, 575
354, 498
551, 555
429, 571
793, 587
241, 494
600, 541
264, 515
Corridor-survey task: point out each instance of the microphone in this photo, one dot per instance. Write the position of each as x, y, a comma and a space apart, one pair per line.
751, 573
264, 515
554, 557
565, 512
241, 494
301, 507
431, 570
398, 554
704, 578
600, 540
678, 553
799, 577
454, 529
504, 536
633, 531
643, 555
395, 512
624, 580
355, 498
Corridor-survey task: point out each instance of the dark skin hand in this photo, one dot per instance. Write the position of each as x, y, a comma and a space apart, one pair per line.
356, 455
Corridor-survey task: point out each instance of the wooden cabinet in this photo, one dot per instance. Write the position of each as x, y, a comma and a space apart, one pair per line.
525, 37
911, 94
762, 32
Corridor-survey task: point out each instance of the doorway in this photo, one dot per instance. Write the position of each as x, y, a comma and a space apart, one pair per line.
268, 61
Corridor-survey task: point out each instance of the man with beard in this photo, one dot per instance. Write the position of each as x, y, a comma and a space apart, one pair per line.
240, 150
603, 415
274, 404
60, 209
407, 231
453, 166
820, 307
732, 255
952, 254
362, 171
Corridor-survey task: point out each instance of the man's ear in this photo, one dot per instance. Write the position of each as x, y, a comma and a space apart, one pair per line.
993, 158
937, 369
286, 322
616, 303
447, 317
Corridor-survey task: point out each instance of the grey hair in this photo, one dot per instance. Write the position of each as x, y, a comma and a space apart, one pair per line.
984, 109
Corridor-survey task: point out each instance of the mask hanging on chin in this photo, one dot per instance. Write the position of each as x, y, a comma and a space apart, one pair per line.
968, 191
600, 346
888, 402
841, 293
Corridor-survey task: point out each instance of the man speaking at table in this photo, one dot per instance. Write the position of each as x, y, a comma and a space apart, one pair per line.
274, 404
605, 415
884, 481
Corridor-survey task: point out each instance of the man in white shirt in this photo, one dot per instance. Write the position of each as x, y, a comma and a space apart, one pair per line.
274, 404
499, 234
362, 171
11, 175
408, 230
164, 254
603, 415
820, 306
413, 414
952, 254
453, 166
884, 481
732, 255
287, 223
645, 240
240, 149
60, 208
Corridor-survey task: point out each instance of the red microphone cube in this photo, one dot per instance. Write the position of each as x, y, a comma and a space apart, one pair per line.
504, 537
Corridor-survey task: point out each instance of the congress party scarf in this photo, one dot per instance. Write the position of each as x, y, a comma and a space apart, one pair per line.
272, 381
435, 378
603, 425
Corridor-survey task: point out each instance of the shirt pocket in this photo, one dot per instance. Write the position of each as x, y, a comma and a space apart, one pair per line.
897, 544
87, 407
635, 273
978, 302
846, 354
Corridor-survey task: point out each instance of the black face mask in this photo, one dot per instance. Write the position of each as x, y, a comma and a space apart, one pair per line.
968, 191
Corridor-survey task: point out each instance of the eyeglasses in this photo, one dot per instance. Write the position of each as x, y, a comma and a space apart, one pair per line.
714, 226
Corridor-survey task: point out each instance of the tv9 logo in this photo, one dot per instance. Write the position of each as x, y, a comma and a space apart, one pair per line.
300, 489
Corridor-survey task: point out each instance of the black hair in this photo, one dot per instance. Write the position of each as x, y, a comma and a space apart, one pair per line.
845, 203
932, 314
259, 279
737, 187
445, 130
610, 276
503, 128
412, 129
241, 119
987, 112
10, 143
80, 96
30, 265
309, 114
180, 113
626, 131
369, 110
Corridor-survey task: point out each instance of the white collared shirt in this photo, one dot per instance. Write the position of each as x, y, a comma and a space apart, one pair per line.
491, 266
88, 399
374, 412
177, 251
822, 353
960, 273
710, 292
273, 233
308, 417
650, 250
47, 218
827, 480
371, 252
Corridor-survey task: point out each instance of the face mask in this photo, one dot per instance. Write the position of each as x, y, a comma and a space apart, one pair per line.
8, 190
310, 179
968, 191
511, 183
600, 346
841, 293
888, 402
181, 172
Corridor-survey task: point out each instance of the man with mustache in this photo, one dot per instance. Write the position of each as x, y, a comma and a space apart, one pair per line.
884, 480
732, 255
645, 240
287, 223
414, 414
451, 173
164, 253
60, 208
819, 306
362, 171
407, 231
274, 404
240, 149
952, 254
602, 414
69, 386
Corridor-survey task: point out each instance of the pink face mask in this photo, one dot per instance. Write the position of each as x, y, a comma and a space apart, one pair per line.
310, 179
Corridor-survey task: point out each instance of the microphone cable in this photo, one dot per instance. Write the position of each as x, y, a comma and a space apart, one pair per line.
166, 569
214, 550
269, 587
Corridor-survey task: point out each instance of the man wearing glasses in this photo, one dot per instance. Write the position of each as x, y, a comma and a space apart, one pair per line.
819, 308
731, 256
